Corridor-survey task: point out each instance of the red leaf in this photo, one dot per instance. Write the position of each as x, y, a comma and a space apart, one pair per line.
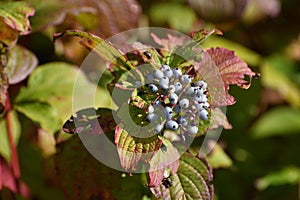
221, 65
170, 42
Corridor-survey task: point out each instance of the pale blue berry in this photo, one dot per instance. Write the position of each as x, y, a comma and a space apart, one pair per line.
171, 88
168, 73
151, 117
172, 125
177, 72
192, 129
191, 91
178, 87
181, 120
168, 113
203, 114
150, 109
158, 128
152, 88
164, 82
164, 67
201, 84
184, 103
186, 79
158, 74
173, 98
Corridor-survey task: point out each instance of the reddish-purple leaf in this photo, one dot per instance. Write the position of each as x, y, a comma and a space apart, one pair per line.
170, 42
220, 68
132, 150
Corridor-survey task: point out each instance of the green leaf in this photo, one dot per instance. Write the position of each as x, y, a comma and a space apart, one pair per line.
15, 14
287, 175
104, 48
178, 16
190, 182
278, 72
278, 121
87, 178
21, 62
218, 158
16, 132
41, 113
53, 83
132, 149
47, 13
202, 35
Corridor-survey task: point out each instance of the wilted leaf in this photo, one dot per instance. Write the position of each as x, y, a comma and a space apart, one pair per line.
133, 150
287, 175
87, 178
41, 113
21, 62
16, 14
278, 121
3, 89
16, 132
166, 157
8, 35
190, 182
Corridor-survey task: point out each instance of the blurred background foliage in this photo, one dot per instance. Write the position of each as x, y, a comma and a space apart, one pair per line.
258, 159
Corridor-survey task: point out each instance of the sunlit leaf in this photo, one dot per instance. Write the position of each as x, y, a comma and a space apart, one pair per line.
87, 178
190, 182
218, 158
21, 62
15, 14
132, 149
41, 113
231, 68
287, 175
278, 121
16, 132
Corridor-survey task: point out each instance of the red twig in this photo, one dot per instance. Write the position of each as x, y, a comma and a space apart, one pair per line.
1, 175
12, 146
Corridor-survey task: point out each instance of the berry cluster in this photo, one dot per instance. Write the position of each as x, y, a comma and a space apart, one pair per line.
180, 102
